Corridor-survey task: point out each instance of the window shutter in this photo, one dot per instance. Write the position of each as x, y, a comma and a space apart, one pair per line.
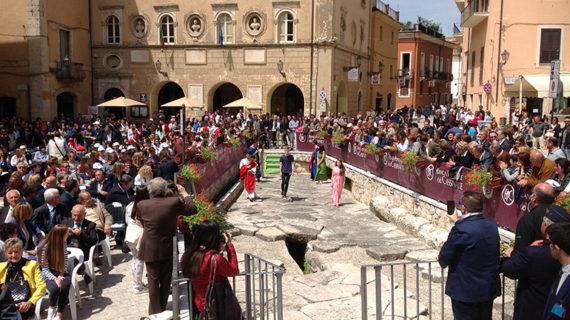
550, 45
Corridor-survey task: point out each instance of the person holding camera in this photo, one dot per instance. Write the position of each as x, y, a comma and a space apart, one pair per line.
471, 252
204, 266
158, 216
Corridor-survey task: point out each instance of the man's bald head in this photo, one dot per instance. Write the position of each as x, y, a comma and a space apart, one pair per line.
536, 158
544, 193
51, 182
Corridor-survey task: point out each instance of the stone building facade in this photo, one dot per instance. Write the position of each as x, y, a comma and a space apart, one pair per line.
44, 58
288, 55
511, 48
424, 67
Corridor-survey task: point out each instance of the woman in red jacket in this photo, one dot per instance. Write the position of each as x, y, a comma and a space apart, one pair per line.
208, 242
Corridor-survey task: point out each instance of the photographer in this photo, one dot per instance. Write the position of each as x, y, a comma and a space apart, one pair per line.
472, 254
158, 216
198, 259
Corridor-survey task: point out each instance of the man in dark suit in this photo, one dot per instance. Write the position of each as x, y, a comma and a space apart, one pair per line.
472, 254
482, 157
499, 155
535, 269
83, 232
99, 187
13, 197
50, 213
158, 216
120, 192
558, 301
107, 135
503, 140
68, 197
528, 227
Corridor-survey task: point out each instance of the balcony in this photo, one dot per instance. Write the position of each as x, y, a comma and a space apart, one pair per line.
460, 4
475, 13
68, 71
406, 73
457, 33
383, 7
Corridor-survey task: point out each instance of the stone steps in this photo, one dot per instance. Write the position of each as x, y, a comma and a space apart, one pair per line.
271, 165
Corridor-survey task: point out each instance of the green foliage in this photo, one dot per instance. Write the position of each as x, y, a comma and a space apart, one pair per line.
235, 142
191, 173
322, 134
246, 134
209, 154
371, 148
338, 138
430, 24
205, 211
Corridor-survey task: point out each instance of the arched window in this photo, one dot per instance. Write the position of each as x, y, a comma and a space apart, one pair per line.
359, 102
113, 33
225, 28
285, 27
167, 29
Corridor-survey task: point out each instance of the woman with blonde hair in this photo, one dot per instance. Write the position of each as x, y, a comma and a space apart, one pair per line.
27, 229
144, 176
117, 172
137, 159
53, 261
35, 180
22, 277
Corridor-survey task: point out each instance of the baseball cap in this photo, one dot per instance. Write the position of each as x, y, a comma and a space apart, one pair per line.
555, 214
97, 166
116, 144
100, 148
96, 123
109, 150
130, 148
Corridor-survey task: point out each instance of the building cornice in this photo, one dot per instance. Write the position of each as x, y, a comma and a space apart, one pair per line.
166, 8
282, 4
427, 37
111, 7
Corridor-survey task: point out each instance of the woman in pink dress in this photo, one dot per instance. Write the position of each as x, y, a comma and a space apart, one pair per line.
337, 181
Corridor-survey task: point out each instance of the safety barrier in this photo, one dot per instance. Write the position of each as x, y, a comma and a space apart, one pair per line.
260, 285
422, 292
431, 180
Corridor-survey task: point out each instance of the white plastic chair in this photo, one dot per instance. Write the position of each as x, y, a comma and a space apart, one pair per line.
75, 253
90, 266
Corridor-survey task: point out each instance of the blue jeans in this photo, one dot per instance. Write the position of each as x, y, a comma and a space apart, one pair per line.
292, 140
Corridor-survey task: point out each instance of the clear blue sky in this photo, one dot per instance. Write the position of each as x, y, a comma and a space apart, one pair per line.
444, 12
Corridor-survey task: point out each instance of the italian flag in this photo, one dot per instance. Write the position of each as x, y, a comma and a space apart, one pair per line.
161, 36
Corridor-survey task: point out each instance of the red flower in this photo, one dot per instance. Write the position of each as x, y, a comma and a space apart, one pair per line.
202, 218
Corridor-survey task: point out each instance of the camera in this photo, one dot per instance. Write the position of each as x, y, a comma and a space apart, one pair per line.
222, 237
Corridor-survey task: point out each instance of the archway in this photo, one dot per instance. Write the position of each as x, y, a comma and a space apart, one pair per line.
66, 104
116, 112
341, 100
7, 107
287, 99
225, 94
169, 92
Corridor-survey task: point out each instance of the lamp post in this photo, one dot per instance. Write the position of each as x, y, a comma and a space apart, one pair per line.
280, 67
158, 66
504, 58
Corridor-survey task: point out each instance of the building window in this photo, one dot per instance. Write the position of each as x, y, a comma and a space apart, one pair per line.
430, 64
113, 34
286, 27
481, 63
167, 29
473, 55
550, 44
381, 32
226, 27
440, 64
64, 54
139, 111
359, 102
436, 64
405, 60
404, 91
392, 41
361, 38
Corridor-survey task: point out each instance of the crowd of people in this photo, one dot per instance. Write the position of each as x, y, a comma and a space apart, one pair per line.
59, 175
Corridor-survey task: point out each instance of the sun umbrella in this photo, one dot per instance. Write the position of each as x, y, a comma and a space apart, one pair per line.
243, 102
182, 101
121, 102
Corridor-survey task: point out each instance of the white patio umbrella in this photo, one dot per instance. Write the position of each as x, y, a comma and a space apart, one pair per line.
121, 102
183, 102
244, 102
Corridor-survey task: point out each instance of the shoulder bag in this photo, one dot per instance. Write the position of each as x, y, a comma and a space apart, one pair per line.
220, 302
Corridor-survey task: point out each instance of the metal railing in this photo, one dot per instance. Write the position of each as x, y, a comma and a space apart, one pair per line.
260, 285
380, 5
415, 288
473, 7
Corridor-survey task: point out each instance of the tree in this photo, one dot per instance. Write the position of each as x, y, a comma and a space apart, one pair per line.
430, 24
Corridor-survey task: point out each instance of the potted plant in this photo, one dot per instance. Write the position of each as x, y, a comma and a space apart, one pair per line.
479, 177
409, 160
208, 154
246, 134
338, 138
205, 211
235, 142
190, 173
322, 134
563, 201
372, 149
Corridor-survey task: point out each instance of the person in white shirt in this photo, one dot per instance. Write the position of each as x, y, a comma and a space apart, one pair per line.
13, 197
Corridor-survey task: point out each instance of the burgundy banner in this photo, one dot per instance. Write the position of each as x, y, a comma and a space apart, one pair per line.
213, 170
432, 180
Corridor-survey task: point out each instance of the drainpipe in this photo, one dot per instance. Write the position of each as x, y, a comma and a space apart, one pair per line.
499, 55
312, 53
91, 54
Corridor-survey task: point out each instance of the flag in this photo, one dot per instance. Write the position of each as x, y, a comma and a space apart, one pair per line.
220, 35
161, 36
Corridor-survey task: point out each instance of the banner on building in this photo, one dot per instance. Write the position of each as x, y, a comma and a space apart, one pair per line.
375, 78
431, 83
402, 81
353, 75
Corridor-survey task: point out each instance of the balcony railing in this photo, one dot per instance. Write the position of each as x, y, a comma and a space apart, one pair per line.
406, 73
381, 6
70, 72
475, 12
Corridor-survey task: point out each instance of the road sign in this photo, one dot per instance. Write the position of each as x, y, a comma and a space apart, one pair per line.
323, 95
142, 97
487, 88
554, 76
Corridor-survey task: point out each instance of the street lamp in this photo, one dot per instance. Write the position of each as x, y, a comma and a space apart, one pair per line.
504, 57
158, 66
280, 67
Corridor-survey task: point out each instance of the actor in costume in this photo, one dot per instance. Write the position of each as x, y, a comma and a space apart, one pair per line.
247, 170
313, 162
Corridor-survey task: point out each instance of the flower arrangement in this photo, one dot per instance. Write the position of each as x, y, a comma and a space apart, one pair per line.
246, 134
235, 142
409, 160
338, 138
191, 173
371, 148
322, 134
503, 246
205, 211
563, 201
208, 154
479, 177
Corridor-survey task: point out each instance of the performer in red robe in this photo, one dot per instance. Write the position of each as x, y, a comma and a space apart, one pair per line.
247, 168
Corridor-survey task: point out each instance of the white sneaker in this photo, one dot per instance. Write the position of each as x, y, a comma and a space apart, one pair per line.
56, 318
140, 289
51, 313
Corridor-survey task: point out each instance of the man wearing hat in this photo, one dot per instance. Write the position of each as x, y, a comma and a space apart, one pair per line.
535, 269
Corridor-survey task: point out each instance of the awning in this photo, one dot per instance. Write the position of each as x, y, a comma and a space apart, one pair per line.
536, 86
120, 102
